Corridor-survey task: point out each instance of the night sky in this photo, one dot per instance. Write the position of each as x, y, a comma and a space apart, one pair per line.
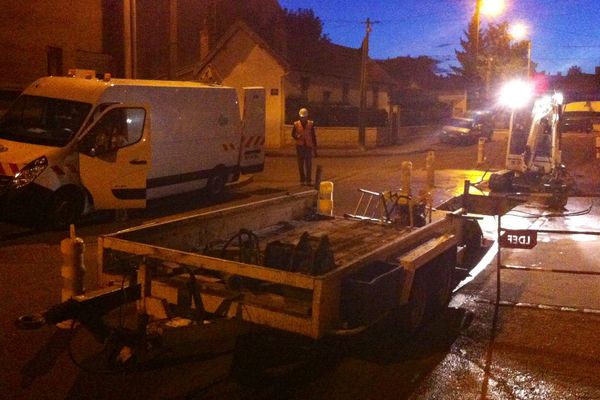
563, 32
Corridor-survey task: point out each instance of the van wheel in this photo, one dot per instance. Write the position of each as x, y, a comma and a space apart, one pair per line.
66, 208
216, 183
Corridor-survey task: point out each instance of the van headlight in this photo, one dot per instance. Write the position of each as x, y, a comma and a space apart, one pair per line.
30, 172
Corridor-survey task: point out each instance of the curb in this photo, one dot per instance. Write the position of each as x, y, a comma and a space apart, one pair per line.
417, 147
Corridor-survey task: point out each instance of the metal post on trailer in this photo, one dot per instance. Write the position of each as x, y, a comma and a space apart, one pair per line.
498, 261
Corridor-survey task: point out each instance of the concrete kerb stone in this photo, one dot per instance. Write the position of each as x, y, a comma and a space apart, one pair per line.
414, 145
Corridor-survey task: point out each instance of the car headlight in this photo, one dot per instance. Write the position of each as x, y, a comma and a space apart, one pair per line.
30, 172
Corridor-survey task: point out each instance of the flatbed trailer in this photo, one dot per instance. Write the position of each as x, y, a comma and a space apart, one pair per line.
277, 264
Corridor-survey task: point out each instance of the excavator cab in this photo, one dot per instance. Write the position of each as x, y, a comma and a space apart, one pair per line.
533, 157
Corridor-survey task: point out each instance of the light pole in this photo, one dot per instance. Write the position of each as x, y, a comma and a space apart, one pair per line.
485, 7
490, 8
529, 58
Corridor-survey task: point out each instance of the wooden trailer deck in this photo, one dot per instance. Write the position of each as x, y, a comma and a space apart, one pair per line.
350, 240
307, 304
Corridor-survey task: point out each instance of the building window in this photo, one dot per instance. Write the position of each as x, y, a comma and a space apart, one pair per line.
304, 84
55, 61
326, 96
345, 92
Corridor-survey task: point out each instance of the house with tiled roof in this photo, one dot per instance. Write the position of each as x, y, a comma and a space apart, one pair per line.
323, 76
575, 87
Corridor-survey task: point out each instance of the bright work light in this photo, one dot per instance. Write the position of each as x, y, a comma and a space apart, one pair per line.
516, 94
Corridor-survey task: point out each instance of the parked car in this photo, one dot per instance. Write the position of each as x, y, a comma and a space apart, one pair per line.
467, 130
576, 125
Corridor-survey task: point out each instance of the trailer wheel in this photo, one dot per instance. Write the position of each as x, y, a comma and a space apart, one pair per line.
66, 207
216, 183
443, 287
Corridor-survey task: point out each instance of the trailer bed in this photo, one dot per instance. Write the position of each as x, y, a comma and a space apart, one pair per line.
304, 303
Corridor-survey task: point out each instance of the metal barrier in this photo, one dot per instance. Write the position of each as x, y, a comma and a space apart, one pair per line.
380, 206
523, 239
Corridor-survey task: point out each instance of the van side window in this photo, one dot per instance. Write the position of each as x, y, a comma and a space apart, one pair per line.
118, 128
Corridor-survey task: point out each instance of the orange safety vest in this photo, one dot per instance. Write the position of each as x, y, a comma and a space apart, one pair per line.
303, 134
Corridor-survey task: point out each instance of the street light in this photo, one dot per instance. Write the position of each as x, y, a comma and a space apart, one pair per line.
518, 31
485, 7
492, 7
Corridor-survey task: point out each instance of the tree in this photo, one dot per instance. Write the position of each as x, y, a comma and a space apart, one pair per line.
307, 45
504, 58
303, 24
467, 58
498, 59
420, 71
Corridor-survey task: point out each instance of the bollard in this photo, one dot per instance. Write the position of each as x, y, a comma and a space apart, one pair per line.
429, 160
72, 269
481, 151
325, 206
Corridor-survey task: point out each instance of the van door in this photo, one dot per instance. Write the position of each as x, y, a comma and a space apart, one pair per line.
252, 154
114, 158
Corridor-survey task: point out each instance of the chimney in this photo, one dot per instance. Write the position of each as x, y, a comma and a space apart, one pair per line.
204, 40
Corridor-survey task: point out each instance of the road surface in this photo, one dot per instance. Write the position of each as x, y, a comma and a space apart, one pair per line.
528, 355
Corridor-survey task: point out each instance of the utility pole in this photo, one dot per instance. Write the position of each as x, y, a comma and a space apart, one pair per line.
173, 45
130, 38
363, 85
476, 20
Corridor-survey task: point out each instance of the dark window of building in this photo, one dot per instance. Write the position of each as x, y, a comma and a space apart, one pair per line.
326, 96
55, 61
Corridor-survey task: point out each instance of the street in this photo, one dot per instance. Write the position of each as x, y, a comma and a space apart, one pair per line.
471, 350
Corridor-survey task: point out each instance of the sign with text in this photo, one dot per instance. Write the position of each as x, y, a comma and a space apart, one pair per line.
518, 239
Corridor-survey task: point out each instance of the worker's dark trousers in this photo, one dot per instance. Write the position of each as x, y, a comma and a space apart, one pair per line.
305, 155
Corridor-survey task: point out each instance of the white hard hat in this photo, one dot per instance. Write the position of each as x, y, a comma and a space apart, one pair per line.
303, 112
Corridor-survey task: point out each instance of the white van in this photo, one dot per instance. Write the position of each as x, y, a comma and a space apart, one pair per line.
70, 145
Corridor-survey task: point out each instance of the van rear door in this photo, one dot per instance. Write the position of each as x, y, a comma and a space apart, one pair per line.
252, 153
114, 158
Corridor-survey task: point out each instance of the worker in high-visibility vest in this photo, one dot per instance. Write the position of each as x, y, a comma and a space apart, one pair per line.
305, 137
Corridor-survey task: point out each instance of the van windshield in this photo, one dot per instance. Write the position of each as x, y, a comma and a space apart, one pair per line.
43, 120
